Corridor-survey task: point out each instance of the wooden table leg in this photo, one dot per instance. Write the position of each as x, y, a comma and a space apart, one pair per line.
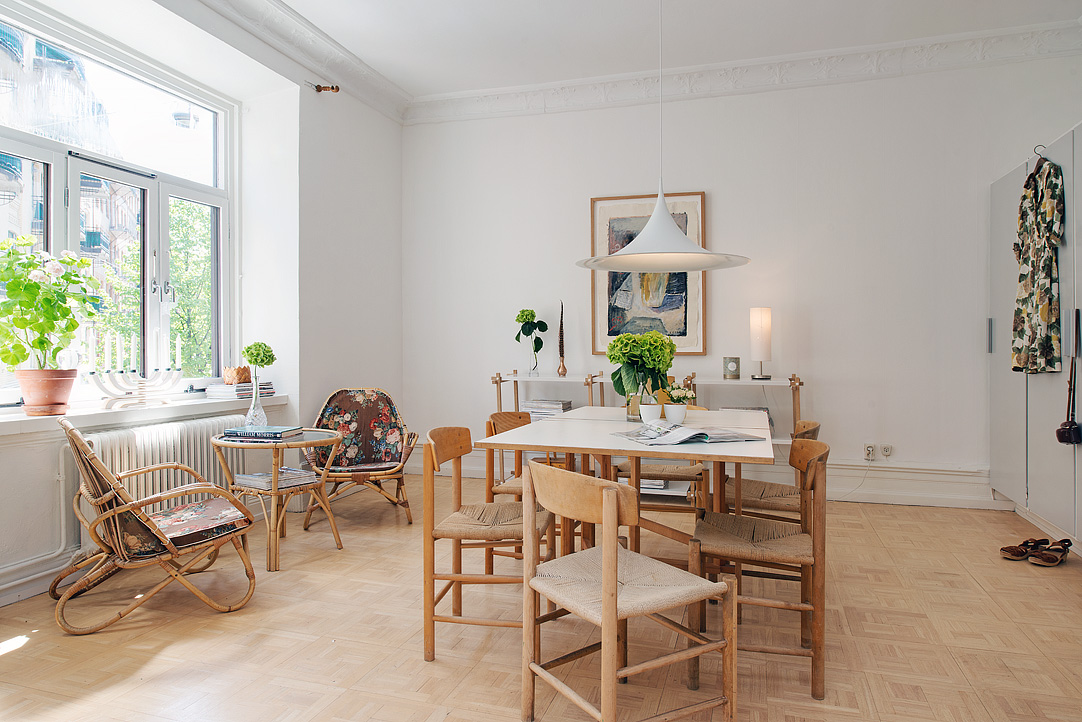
274, 521
716, 496
633, 481
738, 500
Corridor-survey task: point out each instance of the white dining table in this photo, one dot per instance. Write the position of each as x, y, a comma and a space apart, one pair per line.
590, 432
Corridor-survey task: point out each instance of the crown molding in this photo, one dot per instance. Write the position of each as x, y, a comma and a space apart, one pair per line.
282, 28
763, 75
278, 25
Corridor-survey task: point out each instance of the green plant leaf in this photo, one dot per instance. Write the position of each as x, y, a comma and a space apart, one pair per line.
618, 382
528, 328
518, 336
542, 326
630, 379
537, 344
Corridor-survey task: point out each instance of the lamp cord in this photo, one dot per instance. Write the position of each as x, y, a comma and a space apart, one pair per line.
660, 92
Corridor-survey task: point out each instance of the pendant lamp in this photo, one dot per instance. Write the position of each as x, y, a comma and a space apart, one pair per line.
661, 246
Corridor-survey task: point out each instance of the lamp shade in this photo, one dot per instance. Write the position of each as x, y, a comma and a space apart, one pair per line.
662, 247
760, 334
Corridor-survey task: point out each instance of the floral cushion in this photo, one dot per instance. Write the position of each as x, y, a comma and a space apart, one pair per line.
199, 521
372, 431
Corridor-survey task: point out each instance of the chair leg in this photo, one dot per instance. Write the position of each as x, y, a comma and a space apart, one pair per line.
430, 596
728, 655
695, 609
610, 662
737, 569
529, 650
805, 597
456, 587
818, 631
403, 502
621, 641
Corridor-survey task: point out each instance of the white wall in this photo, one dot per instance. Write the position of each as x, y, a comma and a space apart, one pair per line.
350, 266
863, 207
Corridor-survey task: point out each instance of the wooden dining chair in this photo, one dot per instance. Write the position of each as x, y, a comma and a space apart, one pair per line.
606, 585
798, 549
181, 540
473, 526
761, 498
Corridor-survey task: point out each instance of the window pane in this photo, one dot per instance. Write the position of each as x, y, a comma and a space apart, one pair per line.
22, 213
193, 231
111, 235
57, 93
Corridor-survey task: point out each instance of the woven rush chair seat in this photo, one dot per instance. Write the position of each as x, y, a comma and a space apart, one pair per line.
767, 495
512, 486
199, 521
665, 472
753, 539
647, 586
490, 522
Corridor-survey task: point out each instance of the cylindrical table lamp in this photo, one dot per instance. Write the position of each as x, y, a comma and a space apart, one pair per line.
760, 340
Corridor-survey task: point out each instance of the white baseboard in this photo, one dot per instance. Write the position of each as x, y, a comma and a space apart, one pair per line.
857, 481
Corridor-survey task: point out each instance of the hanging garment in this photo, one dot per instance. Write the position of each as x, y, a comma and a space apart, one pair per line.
1035, 346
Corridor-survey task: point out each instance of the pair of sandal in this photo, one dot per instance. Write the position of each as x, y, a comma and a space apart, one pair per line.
1038, 551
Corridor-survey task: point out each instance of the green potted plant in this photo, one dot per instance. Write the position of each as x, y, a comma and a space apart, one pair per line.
44, 299
676, 407
531, 324
645, 360
257, 354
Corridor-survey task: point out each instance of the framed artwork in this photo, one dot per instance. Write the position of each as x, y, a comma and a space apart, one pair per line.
623, 302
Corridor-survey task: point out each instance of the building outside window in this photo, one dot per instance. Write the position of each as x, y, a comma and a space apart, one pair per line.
124, 172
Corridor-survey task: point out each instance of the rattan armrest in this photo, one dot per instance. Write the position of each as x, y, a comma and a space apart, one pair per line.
161, 467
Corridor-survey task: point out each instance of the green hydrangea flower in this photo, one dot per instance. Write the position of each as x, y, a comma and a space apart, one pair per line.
525, 316
258, 354
644, 359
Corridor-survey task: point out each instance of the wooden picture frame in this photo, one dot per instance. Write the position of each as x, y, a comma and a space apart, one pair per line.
622, 302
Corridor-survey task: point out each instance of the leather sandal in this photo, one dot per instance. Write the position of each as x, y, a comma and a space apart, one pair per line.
1021, 551
1051, 555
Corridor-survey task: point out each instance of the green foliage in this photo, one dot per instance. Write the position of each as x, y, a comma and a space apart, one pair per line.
530, 325
644, 359
258, 354
46, 296
190, 264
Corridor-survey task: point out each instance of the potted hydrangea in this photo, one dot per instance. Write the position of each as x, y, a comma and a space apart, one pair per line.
44, 298
257, 354
645, 360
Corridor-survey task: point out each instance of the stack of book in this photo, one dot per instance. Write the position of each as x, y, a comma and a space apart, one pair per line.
287, 477
238, 391
542, 408
263, 433
653, 484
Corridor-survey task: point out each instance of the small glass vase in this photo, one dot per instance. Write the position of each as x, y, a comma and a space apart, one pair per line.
256, 416
531, 361
632, 408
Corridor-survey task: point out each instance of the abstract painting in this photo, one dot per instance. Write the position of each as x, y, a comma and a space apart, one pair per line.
631, 302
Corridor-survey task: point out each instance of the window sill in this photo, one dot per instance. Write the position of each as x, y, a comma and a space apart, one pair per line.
14, 421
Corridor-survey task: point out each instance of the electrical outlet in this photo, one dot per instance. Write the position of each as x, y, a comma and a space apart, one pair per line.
869, 452
886, 449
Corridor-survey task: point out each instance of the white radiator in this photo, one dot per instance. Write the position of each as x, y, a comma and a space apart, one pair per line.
186, 442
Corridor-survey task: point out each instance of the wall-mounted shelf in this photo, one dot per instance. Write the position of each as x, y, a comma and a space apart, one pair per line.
515, 379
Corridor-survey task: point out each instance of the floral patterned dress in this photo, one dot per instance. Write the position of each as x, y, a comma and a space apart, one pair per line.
1035, 346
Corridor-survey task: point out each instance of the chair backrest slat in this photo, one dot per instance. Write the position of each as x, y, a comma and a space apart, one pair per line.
578, 496
806, 430
805, 456
449, 442
506, 420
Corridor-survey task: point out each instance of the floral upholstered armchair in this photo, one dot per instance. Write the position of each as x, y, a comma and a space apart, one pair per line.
375, 446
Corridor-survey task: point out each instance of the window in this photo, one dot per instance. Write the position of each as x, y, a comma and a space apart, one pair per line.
125, 173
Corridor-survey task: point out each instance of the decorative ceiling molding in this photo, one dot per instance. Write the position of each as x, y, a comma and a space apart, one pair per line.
278, 25
796, 71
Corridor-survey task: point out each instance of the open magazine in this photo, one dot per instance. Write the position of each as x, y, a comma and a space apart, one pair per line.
658, 433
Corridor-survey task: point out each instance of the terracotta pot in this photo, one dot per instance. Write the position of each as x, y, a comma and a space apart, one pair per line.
45, 391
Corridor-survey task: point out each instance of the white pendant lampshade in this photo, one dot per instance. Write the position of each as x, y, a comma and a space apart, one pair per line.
662, 247
760, 339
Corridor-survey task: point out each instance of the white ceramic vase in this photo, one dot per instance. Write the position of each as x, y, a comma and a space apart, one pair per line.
650, 412
675, 413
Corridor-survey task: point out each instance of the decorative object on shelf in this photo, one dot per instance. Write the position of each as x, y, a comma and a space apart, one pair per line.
661, 246
232, 375
760, 340
257, 355
561, 369
531, 324
731, 367
122, 389
633, 302
644, 360
46, 297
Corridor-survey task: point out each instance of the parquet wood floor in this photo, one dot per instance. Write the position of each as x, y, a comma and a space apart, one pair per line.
925, 622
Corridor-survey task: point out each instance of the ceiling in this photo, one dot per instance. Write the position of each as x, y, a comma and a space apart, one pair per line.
440, 47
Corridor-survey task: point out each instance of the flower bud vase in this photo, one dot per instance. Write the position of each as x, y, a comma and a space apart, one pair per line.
632, 408
256, 416
531, 361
